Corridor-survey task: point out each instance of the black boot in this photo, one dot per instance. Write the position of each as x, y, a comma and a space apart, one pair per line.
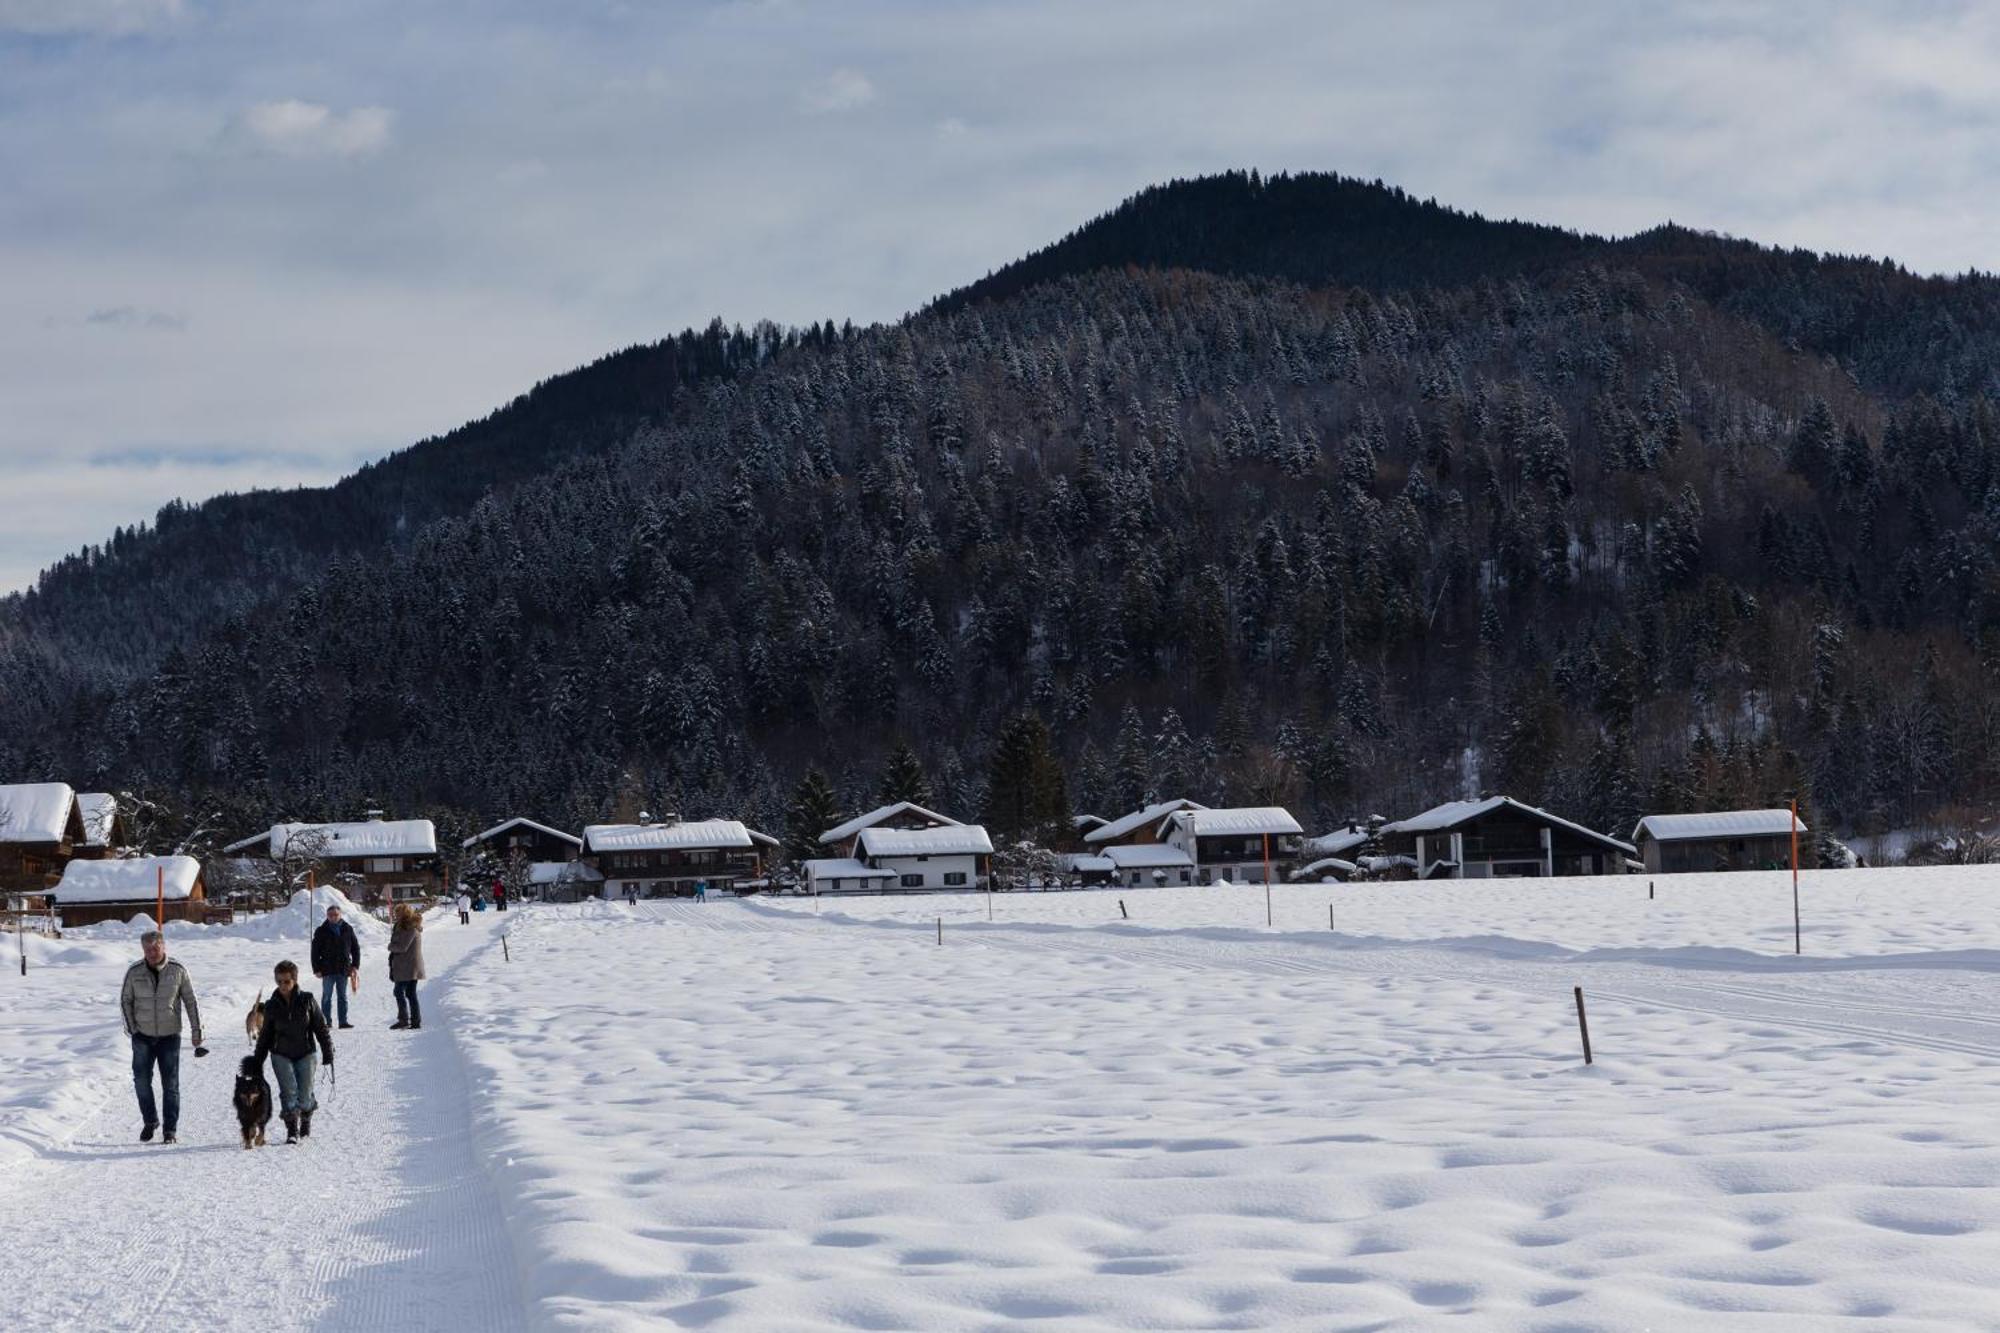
305, 1124
291, 1126
399, 1025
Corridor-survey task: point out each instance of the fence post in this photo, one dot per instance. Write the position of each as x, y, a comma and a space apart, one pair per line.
940, 930
505, 952
1329, 916
1123, 915
1583, 1025
1649, 890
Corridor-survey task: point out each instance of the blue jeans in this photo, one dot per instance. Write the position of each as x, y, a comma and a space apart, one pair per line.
165, 1052
295, 1082
330, 988
406, 1002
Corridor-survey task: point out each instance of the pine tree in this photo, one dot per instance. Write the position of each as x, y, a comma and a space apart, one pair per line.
903, 778
1026, 795
813, 810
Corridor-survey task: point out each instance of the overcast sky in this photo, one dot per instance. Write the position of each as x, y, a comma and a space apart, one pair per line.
246, 243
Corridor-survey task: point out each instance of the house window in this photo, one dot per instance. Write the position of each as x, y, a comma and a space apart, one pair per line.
913, 881
1185, 877
954, 877
382, 865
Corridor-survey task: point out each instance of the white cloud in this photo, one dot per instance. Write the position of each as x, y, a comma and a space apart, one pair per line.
842, 90
311, 129
110, 18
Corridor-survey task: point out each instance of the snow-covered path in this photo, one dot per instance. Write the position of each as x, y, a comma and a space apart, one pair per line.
384, 1219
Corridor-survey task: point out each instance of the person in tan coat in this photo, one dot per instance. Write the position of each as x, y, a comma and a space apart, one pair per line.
406, 966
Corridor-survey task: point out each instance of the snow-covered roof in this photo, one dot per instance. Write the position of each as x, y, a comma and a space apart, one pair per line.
1240, 821
764, 838
1333, 844
674, 837
368, 837
1716, 824
246, 844
522, 823
1138, 819
136, 880
1326, 865
1147, 856
1451, 814
844, 867
99, 810
842, 832
35, 811
563, 872
951, 840
1081, 822
1084, 863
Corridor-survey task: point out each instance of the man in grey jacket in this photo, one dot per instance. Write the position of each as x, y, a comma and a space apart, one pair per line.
156, 990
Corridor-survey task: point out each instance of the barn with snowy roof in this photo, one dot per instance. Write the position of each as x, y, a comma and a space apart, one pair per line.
1717, 840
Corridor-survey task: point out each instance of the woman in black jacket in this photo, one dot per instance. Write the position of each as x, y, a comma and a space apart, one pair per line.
292, 1024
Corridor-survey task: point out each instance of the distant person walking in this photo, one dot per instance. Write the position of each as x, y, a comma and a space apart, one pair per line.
336, 961
155, 992
499, 895
464, 908
293, 1022
406, 967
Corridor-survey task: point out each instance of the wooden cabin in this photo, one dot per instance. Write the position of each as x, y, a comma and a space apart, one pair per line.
117, 890
105, 826
536, 842
1718, 840
41, 826
386, 859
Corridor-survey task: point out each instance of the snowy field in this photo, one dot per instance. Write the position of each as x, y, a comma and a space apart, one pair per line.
755, 1115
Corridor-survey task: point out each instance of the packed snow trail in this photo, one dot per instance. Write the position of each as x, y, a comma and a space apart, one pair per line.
383, 1219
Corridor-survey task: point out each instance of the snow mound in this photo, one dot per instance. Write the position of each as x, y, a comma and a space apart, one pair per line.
295, 921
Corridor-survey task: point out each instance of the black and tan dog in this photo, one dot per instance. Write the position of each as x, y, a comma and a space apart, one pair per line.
253, 1101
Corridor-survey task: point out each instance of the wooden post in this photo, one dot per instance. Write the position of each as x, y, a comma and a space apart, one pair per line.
1798, 940
1329, 916
940, 931
1649, 890
1123, 915
1582, 1025
1267, 892
505, 953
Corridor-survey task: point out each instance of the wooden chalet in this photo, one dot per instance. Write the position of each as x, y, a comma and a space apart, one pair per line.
41, 826
537, 842
1718, 840
673, 858
1240, 845
97, 890
1500, 838
105, 827
386, 859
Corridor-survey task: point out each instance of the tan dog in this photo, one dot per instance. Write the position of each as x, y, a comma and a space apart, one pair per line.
253, 1022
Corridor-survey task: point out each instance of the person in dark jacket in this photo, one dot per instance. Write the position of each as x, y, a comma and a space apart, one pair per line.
406, 966
155, 995
336, 961
292, 1024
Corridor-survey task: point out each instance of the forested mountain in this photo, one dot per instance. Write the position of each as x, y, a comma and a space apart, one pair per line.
1309, 493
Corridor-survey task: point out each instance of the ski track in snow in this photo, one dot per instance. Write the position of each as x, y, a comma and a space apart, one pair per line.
384, 1219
